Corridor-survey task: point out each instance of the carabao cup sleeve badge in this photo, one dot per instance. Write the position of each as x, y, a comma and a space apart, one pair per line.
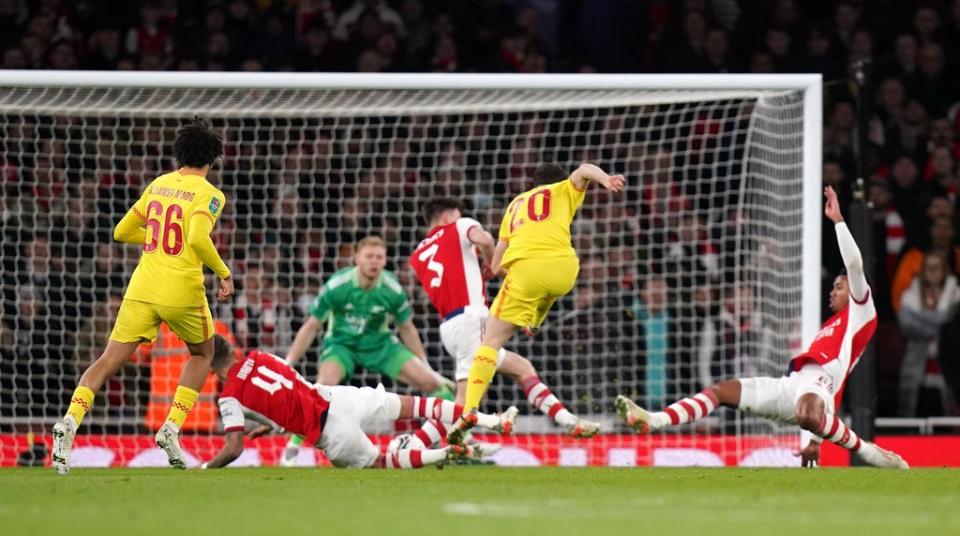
214, 206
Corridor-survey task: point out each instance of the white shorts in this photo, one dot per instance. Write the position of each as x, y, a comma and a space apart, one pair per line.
776, 398
462, 335
351, 410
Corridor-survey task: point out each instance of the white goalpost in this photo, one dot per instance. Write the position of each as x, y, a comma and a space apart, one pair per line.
708, 267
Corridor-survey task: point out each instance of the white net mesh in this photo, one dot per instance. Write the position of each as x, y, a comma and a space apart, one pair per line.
690, 277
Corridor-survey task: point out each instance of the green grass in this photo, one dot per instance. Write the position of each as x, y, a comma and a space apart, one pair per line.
480, 500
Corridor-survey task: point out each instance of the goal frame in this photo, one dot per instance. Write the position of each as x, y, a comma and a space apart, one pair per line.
809, 84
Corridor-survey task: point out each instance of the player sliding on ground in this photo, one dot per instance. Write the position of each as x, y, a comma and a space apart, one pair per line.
357, 304
811, 392
172, 221
449, 270
264, 388
540, 264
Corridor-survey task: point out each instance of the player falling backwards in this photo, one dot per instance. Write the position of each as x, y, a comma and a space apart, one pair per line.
535, 253
811, 392
172, 221
264, 388
449, 270
358, 303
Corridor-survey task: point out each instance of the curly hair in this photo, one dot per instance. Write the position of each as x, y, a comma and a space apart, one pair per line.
197, 144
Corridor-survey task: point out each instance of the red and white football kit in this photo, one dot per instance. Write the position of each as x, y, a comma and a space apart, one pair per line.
824, 368
447, 267
264, 388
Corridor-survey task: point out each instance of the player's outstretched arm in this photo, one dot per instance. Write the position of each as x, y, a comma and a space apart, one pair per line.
852, 259
232, 448
305, 336
587, 173
130, 230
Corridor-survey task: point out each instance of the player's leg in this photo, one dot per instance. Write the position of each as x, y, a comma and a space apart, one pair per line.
726, 393
136, 323
521, 370
813, 415
440, 414
335, 362
195, 326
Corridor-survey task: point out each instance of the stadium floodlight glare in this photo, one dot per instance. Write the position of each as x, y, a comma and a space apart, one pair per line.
723, 206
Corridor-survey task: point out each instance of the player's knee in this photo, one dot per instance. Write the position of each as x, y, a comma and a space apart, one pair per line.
808, 418
516, 367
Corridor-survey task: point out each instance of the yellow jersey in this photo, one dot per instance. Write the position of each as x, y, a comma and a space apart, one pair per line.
537, 222
170, 272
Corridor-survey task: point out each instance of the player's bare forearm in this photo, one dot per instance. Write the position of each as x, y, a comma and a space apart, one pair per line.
411, 338
130, 229
587, 173
499, 252
484, 241
305, 335
232, 449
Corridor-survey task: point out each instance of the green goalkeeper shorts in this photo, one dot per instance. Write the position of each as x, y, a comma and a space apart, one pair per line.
387, 360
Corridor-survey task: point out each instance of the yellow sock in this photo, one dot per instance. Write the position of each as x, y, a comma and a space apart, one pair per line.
183, 401
80, 403
481, 373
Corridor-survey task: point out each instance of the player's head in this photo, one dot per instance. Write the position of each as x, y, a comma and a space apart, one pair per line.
371, 256
548, 174
840, 293
197, 145
223, 356
441, 211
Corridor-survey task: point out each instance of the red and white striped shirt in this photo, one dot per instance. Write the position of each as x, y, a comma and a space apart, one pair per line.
447, 267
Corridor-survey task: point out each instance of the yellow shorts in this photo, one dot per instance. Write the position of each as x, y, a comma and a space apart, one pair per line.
139, 321
531, 288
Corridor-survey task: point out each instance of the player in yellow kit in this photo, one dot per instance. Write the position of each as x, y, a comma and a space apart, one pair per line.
172, 221
534, 251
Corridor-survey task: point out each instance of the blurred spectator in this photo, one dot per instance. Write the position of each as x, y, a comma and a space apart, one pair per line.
941, 240
653, 344
930, 302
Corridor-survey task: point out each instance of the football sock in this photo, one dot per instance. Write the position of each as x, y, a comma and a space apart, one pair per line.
80, 403
429, 434
481, 374
444, 412
294, 442
183, 400
540, 397
414, 458
686, 410
833, 430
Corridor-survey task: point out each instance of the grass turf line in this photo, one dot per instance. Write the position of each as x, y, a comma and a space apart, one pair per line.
479, 500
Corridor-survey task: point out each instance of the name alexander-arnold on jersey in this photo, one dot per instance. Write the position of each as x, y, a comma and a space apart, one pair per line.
175, 193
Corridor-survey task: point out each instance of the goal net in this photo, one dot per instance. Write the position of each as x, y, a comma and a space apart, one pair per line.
694, 274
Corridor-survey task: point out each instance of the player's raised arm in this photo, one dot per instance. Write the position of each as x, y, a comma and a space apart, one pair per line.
587, 173
852, 259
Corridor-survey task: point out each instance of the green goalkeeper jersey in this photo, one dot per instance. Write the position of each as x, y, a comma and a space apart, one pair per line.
357, 318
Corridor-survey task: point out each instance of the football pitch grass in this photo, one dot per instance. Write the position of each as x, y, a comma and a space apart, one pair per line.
480, 500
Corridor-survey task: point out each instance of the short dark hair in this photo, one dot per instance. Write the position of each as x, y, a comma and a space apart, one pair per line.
438, 205
222, 352
197, 144
549, 173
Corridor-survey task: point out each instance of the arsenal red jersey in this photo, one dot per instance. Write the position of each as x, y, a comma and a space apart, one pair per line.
841, 341
447, 266
265, 388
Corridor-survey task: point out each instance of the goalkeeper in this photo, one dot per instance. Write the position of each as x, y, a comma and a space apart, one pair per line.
357, 304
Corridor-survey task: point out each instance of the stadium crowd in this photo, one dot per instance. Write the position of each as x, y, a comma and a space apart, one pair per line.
62, 275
